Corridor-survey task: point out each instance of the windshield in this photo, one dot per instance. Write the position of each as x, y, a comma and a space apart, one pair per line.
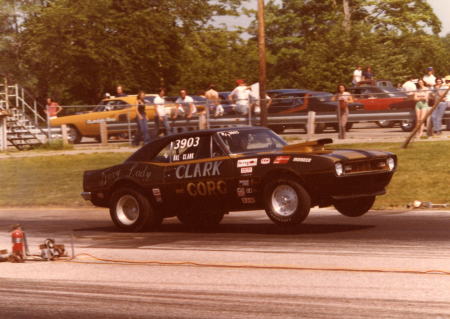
247, 141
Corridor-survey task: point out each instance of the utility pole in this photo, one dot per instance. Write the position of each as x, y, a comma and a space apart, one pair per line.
262, 63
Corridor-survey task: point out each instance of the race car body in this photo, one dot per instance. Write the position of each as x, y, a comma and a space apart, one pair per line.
201, 175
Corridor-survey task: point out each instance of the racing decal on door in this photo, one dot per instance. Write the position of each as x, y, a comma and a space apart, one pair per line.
247, 162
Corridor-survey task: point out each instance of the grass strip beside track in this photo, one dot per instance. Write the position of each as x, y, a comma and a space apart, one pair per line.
423, 174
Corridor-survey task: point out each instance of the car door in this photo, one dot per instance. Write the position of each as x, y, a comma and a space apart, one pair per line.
198, 172
286, 102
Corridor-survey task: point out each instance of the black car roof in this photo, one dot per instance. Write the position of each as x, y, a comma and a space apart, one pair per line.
150, 149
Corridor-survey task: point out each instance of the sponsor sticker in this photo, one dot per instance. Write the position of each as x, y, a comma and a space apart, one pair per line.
229, 133
244, 182
265, 160
240, 191
247, 162
246, 170
281, 159
302, 159
248, 200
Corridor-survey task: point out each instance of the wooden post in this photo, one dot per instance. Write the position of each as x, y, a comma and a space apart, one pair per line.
6, 94
103, 133
202, 121
262, 63
64, 134
3, 132
310, 126
341, 134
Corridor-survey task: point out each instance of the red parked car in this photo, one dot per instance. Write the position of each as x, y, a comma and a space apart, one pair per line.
375, 98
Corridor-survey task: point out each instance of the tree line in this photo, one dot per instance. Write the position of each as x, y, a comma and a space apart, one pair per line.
75, 51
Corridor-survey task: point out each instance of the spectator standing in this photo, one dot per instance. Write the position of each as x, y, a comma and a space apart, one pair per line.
141, 121
185, 105
368, 73
255, 101
429, 78
344, 98
440, 89
409, 87
160, 113
357, 75
120, 92
52, 108
241, 97
421, 97
213, 98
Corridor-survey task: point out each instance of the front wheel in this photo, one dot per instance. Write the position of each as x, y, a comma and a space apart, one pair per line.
354, 207
286, 202
73, 135
407, 125
130, 210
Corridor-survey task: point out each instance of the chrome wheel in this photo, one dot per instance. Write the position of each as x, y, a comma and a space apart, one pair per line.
284, 200
127, 210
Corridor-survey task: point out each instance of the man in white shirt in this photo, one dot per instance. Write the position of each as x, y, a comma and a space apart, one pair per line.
185, 105
357, 75
429, 78
160, 113
241, 97
409, 87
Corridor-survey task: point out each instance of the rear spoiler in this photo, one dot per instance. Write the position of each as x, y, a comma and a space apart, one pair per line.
310, 146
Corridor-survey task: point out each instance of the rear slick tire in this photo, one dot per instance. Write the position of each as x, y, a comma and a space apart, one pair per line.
354, 207
132, 211
287, 203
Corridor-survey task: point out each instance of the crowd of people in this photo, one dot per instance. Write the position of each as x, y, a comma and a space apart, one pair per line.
244, 97
424, 90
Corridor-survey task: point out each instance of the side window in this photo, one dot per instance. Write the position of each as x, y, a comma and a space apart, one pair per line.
191, 148
120, 105
216, 150
164, 155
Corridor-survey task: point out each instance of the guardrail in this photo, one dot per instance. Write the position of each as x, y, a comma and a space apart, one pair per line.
307, 121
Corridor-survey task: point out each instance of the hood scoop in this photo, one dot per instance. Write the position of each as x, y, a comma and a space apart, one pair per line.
308, 147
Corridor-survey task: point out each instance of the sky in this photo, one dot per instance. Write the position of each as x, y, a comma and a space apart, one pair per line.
441, 9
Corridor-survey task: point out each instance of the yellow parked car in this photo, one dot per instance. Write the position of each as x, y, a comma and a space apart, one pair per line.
110, 110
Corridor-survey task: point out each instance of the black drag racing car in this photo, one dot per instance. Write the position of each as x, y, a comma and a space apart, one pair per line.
201, 175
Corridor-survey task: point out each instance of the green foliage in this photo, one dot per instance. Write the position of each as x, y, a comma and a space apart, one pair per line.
309, 47
76, 51
55, 145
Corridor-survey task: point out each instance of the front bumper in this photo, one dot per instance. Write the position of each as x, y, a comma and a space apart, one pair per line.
86, 195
